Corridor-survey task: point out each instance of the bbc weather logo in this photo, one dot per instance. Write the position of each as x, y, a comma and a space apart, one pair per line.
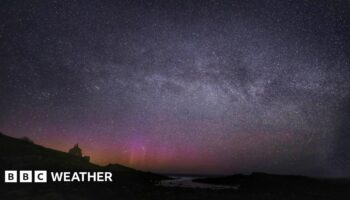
41, 176
25, 176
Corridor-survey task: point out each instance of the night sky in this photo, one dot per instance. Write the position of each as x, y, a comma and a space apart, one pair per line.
216, 87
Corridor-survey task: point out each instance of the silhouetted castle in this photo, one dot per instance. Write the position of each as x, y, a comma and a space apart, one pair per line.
76, 151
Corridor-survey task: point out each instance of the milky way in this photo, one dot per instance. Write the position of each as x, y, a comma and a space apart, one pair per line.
182, 86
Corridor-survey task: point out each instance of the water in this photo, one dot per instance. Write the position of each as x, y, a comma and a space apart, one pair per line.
187, 182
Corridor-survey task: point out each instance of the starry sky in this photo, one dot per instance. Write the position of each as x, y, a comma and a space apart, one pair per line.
207, 87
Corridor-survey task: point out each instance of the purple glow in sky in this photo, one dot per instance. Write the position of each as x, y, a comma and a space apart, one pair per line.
182, 86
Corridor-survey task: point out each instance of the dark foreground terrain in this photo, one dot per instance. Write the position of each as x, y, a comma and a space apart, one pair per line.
128, 183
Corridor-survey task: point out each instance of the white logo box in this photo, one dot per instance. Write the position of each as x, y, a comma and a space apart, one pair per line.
25, 176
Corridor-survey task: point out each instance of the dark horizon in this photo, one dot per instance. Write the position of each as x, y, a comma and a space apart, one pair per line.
197, 86
174, 174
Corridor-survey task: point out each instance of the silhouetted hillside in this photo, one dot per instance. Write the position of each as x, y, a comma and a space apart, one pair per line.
24, 154
17, 154
132, 184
